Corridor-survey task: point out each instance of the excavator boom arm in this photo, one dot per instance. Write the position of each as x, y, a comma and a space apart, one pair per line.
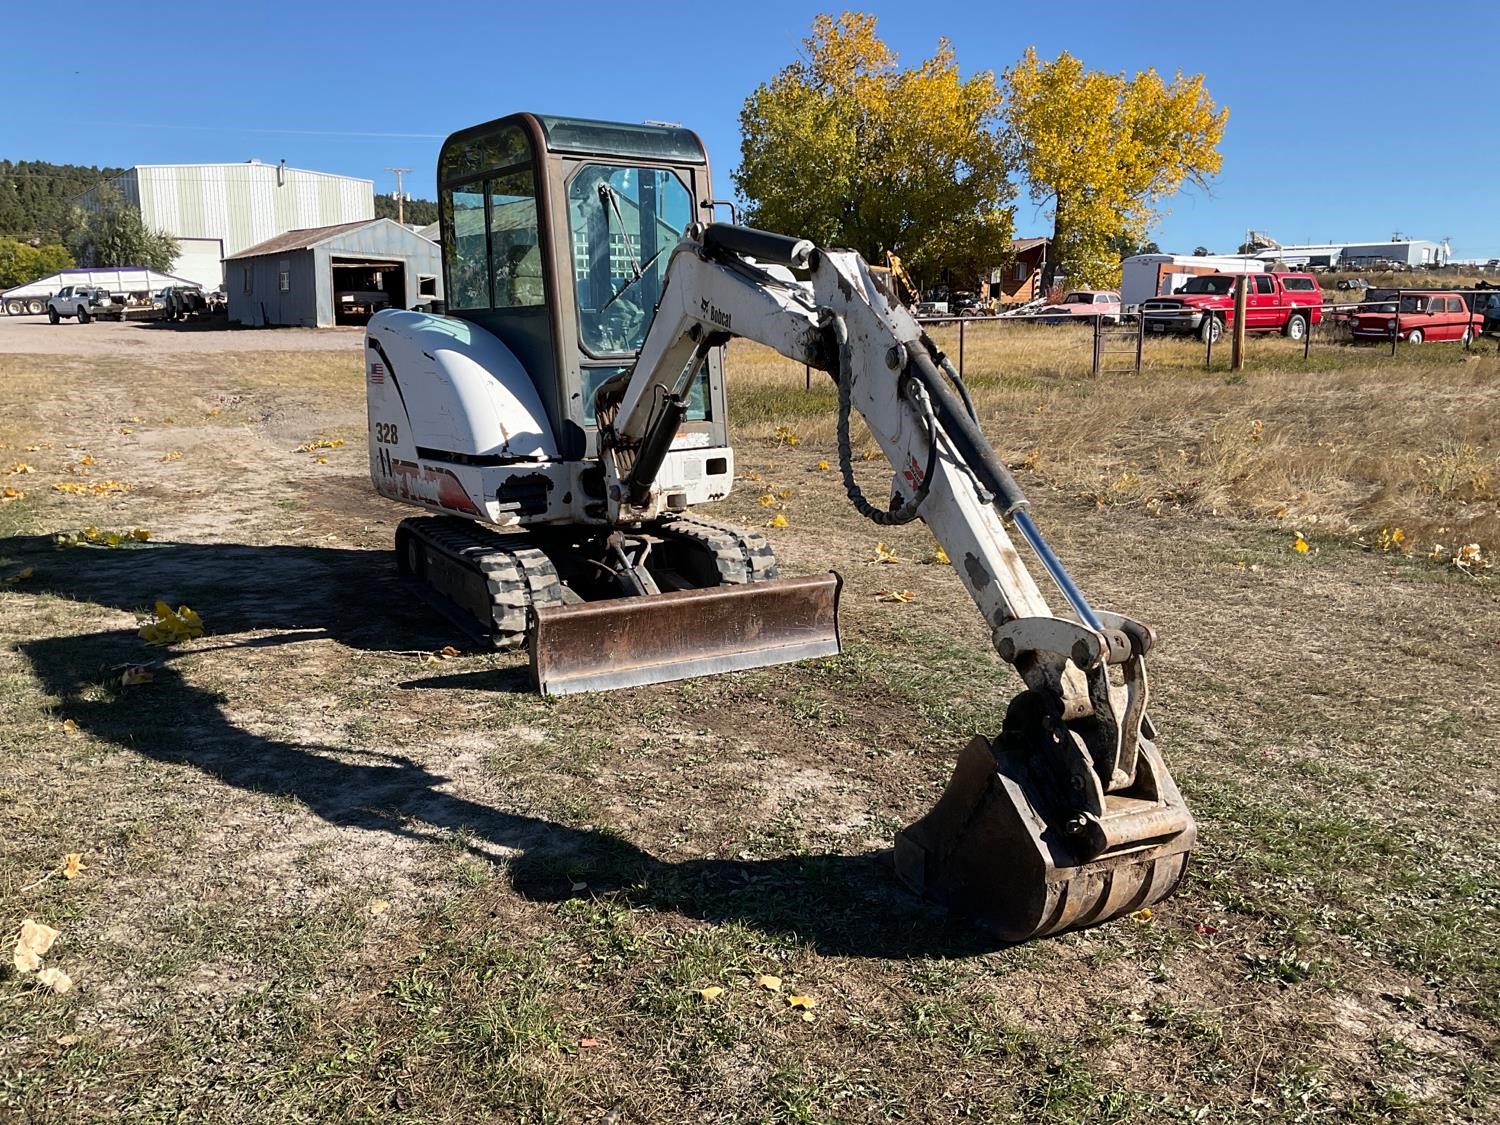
1073, 792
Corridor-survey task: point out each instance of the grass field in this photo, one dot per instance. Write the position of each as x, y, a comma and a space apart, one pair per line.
329, 875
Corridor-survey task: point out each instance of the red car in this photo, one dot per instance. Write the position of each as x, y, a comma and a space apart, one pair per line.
1289, 303
1083, 304
1419, 317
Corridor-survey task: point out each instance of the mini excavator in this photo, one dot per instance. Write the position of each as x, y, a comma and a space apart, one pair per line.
562, 418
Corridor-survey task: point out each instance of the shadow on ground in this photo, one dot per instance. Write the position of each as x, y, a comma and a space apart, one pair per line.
842, 904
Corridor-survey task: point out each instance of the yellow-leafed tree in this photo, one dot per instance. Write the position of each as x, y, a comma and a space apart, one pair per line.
847, 148
1104, 150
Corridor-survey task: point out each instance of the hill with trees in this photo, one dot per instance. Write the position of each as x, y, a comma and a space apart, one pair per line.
38, 200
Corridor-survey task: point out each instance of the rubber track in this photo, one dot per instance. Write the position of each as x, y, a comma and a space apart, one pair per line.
740, 556
517, 576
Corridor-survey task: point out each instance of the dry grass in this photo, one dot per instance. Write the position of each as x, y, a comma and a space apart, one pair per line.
325, 880
1351, 443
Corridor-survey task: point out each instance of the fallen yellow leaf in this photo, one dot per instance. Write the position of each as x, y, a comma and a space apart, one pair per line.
940, 557
87, 459
34, 940
19, 467
710, 994
1300, 544
1142, 915
778, 520
768, 982
70, 726
172, 455
170, 627
322, 460
379, 906
448, 652
902, 596
126, 430
784, 494
72, 865
751, 475
20, 576
884, 554
8, 494
138, 674
140, 534
55, 979
803, 1002
785, 436
823, 465
766, 500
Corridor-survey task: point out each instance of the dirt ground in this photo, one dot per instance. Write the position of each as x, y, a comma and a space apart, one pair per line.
35, 335
329, 874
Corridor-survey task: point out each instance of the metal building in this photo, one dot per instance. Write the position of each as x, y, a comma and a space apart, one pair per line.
330, 275
216, 210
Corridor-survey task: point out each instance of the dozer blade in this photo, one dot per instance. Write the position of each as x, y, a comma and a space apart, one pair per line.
625, 642
986, 850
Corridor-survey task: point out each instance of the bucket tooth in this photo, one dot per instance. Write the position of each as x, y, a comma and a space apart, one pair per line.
626, 642
988, 849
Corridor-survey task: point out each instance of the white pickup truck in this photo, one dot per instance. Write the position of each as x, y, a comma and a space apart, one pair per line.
83, 301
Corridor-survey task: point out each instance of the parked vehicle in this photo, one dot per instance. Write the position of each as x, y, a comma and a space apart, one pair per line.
178, 302
130, 286
1491, 325
1162, 275
1083, 304
83, 301
1289, 303
1418, 318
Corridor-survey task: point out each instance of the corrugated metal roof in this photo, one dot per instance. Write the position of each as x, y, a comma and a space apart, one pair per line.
301, 239
1018, 245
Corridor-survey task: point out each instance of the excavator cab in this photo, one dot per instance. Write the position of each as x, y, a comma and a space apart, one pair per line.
556, 236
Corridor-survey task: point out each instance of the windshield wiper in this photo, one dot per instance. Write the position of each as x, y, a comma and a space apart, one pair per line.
640, 272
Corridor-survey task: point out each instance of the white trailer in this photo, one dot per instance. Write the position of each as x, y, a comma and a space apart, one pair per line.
1159, 275
133, 285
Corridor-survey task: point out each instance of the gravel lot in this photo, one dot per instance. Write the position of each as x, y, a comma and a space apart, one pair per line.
33, 335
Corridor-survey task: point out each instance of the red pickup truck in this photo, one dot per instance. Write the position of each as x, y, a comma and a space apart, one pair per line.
1289, 303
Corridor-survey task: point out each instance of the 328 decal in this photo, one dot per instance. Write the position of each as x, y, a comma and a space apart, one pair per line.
385, 433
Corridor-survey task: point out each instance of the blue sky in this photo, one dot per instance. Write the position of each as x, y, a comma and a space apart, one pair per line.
1345, 123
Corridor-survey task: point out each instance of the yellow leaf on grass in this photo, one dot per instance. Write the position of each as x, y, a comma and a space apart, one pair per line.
448, 652
1300, 544
884, 554
19, 467
379, 906
778, 520
137, 418
940, 557
72, 865
140, 534
215, 412
768, 982
710, 994
785, 436
1142, 915
20, 576
170, 627
869, 453
902, 596
751, 475
803, 1002
784, 494
87, 459
320, 443
55, 979
322, 460
126, 430
172, 455
823, 465
35, 939
767, 500
8, 494
137, 674
70, 726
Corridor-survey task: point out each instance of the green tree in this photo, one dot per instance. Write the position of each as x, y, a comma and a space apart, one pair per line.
21, 263
115, 235
38, 200
417, 211
847, 148
1104, 150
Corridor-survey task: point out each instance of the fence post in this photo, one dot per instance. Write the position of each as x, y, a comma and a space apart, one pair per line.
1098, 345
961, 347
1237, 344
1307, 334
807, 376
1140, 339
1208, 357
1396, 323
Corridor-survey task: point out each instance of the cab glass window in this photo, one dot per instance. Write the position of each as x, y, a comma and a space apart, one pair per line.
491, 240
594, 377
1455, 304
1263, 284
624, 223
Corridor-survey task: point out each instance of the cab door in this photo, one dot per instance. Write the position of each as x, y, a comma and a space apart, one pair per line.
1261, 303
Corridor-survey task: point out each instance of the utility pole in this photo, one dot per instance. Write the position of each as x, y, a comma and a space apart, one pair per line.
400, 195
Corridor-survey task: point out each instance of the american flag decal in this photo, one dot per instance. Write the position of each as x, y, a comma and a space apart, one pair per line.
377, 373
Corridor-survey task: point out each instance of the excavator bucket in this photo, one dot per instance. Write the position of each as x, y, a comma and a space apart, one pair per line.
625, 642
991, 848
